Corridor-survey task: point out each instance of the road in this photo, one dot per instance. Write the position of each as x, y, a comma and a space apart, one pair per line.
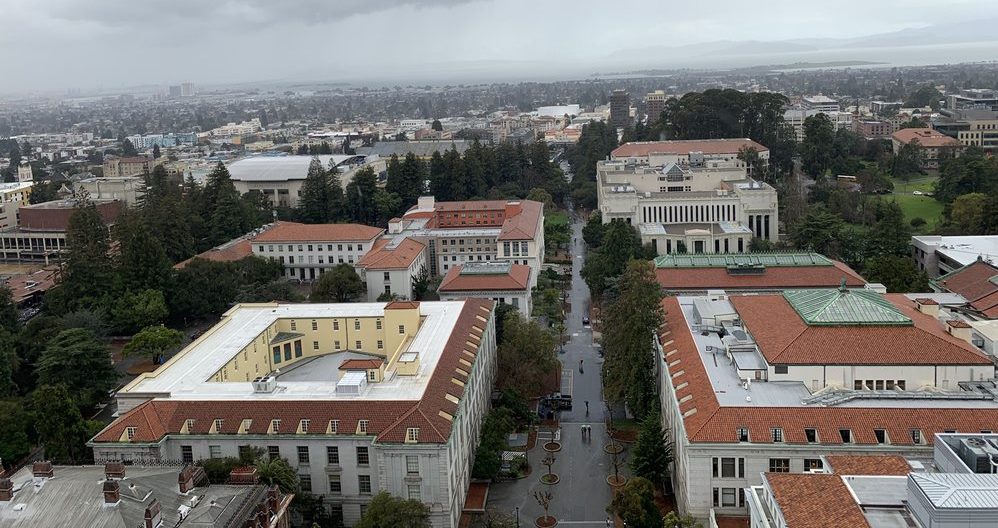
581, 497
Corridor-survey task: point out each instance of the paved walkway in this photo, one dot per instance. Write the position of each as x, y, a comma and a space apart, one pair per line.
582, 495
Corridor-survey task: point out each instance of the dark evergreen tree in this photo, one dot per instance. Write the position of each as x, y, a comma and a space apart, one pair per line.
313, 205
359, 199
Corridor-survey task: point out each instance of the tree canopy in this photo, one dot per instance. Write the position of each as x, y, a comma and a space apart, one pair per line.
339, 284
386, 511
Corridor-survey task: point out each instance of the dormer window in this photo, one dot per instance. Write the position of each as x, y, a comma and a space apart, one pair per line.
916, 436
130, 432
777, 434
412, 435
743, 435
846, 435
362, 426
275, 426
334, 426
217, 425
303, 426
189, 426
811, 435
881, 435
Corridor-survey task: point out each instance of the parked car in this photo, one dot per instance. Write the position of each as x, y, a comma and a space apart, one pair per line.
585, 321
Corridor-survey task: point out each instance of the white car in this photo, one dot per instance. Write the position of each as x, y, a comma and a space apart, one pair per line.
917, 193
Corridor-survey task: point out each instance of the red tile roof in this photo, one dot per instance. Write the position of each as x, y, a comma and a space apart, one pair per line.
977, 282
402, 305
707, 146
987, 305
815, 501
228, 252
525, 224
773, 278
879, 465
381, 257
793, 342
388, 420
705, 420
295, 232
926, 137
518, 278
361, 364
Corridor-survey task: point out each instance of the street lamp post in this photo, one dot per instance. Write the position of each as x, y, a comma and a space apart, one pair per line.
517, 517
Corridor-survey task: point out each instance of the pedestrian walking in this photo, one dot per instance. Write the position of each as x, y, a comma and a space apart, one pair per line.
587, 407
582, 429
580, 367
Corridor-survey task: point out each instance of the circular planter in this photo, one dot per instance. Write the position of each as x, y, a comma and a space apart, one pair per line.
551, 479
615, 481
545, 522
552, 447
613, 449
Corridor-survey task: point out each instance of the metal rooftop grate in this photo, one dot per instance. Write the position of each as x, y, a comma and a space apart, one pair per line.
845, 307
741, 260
487, 268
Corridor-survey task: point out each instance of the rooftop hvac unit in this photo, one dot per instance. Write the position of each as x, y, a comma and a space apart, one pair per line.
264, 384
978, 454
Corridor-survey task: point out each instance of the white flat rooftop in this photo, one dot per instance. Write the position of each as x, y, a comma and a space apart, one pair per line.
964, 249
188, 375
731, 391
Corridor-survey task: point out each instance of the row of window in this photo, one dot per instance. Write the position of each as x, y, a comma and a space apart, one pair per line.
845, 435
515, 248
291, 247
378, 323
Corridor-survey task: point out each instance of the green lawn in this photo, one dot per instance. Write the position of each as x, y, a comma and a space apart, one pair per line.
925, 207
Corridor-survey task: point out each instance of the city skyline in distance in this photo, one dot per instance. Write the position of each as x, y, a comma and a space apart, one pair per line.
109, 45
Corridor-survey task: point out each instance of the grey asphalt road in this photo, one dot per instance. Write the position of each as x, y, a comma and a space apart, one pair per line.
581, 497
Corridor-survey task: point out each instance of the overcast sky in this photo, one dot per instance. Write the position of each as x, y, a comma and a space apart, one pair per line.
57, 44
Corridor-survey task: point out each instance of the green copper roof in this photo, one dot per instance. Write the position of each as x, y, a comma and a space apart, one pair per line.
843, 307
741, 260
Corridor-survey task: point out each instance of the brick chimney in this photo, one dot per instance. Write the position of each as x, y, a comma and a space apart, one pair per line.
513, 208
42, 469
186, 479
114, 470
959, 329
274, 497
927, 306
153, 518
244, 475
112, 492
6, 490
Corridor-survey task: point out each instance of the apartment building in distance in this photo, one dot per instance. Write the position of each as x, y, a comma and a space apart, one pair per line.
620, 109
126, 167
688, 196
973, 127
41, 495
358, 397
655, 105
935, 144
973, 99
870, 128
13, 196
820, 103
479, 231
795, 118
955, 486
758, 384
127, 189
